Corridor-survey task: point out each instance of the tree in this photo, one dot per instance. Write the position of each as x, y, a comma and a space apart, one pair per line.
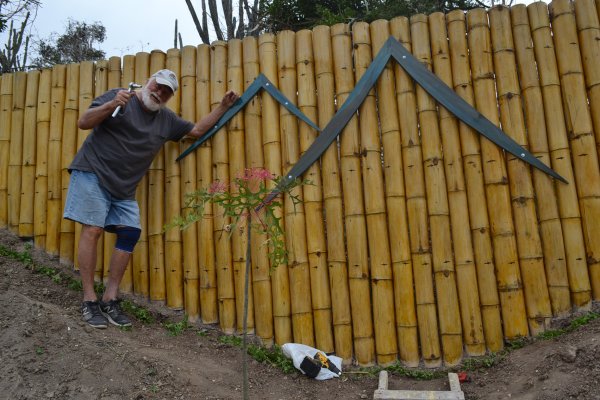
73, 46
14, 56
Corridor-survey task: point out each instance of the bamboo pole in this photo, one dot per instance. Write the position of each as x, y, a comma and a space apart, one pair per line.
478, 216
555, 260
313, 197
68, 150
173, 272
156, 191
374, 197
332, 198
208, 277
416, 204
271, 143
466, 274
354, 213
226, 286
529, 244
15, 156
437, 205
54, 212
560, 154
188, 176
237, 164
496, 182
580, 127
295, 229
29, 155
6, 93
261, 280
40, 200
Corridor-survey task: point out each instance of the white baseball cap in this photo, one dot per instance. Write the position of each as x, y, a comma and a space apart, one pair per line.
167, 77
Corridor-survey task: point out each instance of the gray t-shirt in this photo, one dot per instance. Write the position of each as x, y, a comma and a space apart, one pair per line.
120, 150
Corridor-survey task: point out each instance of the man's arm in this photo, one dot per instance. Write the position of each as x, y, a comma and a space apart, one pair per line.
95, 115
211, 119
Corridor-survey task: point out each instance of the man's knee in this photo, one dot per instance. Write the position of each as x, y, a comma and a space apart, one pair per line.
127, 238
91, 232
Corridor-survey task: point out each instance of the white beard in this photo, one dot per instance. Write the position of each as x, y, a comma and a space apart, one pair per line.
149, 103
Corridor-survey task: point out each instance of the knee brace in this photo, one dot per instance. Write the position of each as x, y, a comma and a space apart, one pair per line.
126, 238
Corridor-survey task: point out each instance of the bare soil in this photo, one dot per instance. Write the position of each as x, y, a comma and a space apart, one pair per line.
47, 352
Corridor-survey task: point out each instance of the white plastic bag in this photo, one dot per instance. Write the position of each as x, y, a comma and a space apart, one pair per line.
297, 352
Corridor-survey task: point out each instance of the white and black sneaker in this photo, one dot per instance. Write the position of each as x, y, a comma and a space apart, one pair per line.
112, 311
91, 313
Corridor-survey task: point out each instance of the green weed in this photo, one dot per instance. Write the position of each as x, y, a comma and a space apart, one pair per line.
176, 328
140, 313
273, 357
230, 340
39, 351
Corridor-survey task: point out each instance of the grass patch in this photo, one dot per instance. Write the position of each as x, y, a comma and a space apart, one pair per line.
575, 323
177, 328
273, 356
140, 313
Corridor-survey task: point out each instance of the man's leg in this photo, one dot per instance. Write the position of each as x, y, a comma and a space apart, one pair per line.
88, 244
118, 265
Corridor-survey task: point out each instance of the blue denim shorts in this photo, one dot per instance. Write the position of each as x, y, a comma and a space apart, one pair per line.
90, 204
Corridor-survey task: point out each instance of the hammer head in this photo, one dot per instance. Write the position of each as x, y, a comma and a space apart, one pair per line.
133, 85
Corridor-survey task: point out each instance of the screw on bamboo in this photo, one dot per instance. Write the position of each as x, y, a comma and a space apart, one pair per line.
332, 198
496, 181
529, 244
354, 214
478, 215
560, 154
271, 142
581, 136
466, 274
395, 195
6, 91
15, 155
208, 277
416, 204
375, 210
295, 228
41, 164
261, 280
226, 287
191, 278
173, 271
29, 156
437, 205
546, 200
313, 197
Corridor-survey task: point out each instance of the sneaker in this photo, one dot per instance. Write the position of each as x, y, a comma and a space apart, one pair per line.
91, 313
112, 311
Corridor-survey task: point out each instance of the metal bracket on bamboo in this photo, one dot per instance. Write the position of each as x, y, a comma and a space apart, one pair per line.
382, 392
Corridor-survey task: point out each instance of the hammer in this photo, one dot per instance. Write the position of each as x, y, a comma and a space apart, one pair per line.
131, 87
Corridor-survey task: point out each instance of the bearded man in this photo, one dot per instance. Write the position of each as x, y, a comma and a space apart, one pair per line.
106, 171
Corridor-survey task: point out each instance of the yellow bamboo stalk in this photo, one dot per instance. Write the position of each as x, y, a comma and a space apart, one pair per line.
29, 155
261, 280
374, 197
478, 216
41, 164
529, 244
68, 150
6, 92
313, 197
416, 204
188, 177
15, 156
271, 143
226, 286
560, 154
54, 207
332, 198
437, 205
496, 182
208, 277
547, 202
295, 229
466, 274
173, 247
354, 213
580, 127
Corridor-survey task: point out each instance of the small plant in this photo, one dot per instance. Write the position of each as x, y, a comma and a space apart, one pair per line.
575, 323
39, 351
140, 313
230, 340
177, 328
202, 333
273, 357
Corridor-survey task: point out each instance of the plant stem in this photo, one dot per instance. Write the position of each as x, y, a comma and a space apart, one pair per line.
245, 323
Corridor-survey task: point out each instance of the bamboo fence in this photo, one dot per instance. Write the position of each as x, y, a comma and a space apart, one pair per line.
417, 241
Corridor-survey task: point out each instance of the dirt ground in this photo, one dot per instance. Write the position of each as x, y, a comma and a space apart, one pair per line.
47, 352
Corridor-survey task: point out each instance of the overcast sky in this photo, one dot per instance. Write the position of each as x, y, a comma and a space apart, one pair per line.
131, 25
